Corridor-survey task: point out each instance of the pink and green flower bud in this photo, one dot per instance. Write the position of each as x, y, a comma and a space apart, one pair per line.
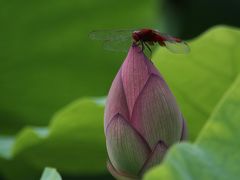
142, 119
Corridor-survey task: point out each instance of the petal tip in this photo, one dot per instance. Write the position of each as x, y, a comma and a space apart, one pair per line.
155, 157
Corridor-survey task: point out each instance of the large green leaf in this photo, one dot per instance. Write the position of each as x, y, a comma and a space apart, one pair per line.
200, 79
74, 143
215, 153
47, 59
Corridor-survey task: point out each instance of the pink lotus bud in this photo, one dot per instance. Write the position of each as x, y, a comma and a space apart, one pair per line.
142, 119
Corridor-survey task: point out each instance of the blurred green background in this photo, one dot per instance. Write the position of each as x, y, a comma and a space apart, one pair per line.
47, 62
47, 59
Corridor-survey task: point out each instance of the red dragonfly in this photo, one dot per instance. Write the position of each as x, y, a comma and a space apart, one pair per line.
120, 40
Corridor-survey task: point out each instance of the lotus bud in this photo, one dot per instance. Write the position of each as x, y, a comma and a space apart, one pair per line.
141, 120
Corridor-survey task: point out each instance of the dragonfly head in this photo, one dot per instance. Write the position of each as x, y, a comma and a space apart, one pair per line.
135, 36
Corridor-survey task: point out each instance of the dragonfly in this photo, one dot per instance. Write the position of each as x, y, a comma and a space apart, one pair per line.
121, 40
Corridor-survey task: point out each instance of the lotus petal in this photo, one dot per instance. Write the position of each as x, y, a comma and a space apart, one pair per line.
134, 75
116, 101
184, 130
155, 157
127, 150
118, 175
156, 115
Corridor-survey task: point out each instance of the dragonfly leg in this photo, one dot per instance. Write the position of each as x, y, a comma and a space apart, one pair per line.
147, 54
142, 44
147, 47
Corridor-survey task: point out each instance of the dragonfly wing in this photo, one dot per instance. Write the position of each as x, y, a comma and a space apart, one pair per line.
174, 44
111, 35
177, 47
120, 46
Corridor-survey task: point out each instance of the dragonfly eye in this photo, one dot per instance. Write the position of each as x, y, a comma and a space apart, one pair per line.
135, 36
